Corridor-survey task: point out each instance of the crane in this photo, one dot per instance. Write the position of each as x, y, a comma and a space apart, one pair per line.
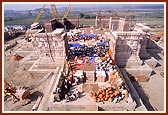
67, 11
54, 12
39, 14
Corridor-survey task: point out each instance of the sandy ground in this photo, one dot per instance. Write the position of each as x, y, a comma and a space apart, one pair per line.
154, 88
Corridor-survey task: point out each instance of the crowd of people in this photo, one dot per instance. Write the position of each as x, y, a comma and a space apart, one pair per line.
84, 37
84, 50
64, 89
104, 63
97, 54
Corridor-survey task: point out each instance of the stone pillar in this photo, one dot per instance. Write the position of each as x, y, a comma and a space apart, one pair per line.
121, 24
112, 45
143, 53
65, 38
90, 76
96, 22
77, 25
134, 43
110, 24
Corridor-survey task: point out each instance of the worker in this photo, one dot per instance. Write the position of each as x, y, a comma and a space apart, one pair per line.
56, 97
77, 81
69, 83
72, 97
14, 98
58, 90
77, 93
115, 100
66, 98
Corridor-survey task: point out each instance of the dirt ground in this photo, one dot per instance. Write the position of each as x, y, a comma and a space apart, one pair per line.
17, 75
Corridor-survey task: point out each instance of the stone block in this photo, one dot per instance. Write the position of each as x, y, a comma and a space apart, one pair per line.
128, 62
133, 63
142, 78
152, 62
143, 70
101, 79
90, 87
90, 77
144, 55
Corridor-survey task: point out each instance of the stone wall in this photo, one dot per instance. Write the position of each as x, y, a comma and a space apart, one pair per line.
119, 24
127, 48
49, 44
73, 20
73, 108
90, 77
130, 52
102, 22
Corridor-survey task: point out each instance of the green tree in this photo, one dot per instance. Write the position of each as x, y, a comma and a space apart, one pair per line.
81, 15
87, 16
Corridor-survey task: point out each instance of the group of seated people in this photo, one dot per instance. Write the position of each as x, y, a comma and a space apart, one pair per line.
104, 63
77, 37
84, 50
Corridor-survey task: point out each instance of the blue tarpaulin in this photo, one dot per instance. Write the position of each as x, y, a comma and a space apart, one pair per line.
102, 43
74, 45
87, 35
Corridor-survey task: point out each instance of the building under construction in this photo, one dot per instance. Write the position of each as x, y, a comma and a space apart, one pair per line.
90, 69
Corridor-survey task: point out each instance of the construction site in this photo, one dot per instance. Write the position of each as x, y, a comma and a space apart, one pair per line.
115, 65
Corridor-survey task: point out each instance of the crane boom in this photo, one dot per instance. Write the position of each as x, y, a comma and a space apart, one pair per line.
55, 9
67, 11
52, 11
39, 14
